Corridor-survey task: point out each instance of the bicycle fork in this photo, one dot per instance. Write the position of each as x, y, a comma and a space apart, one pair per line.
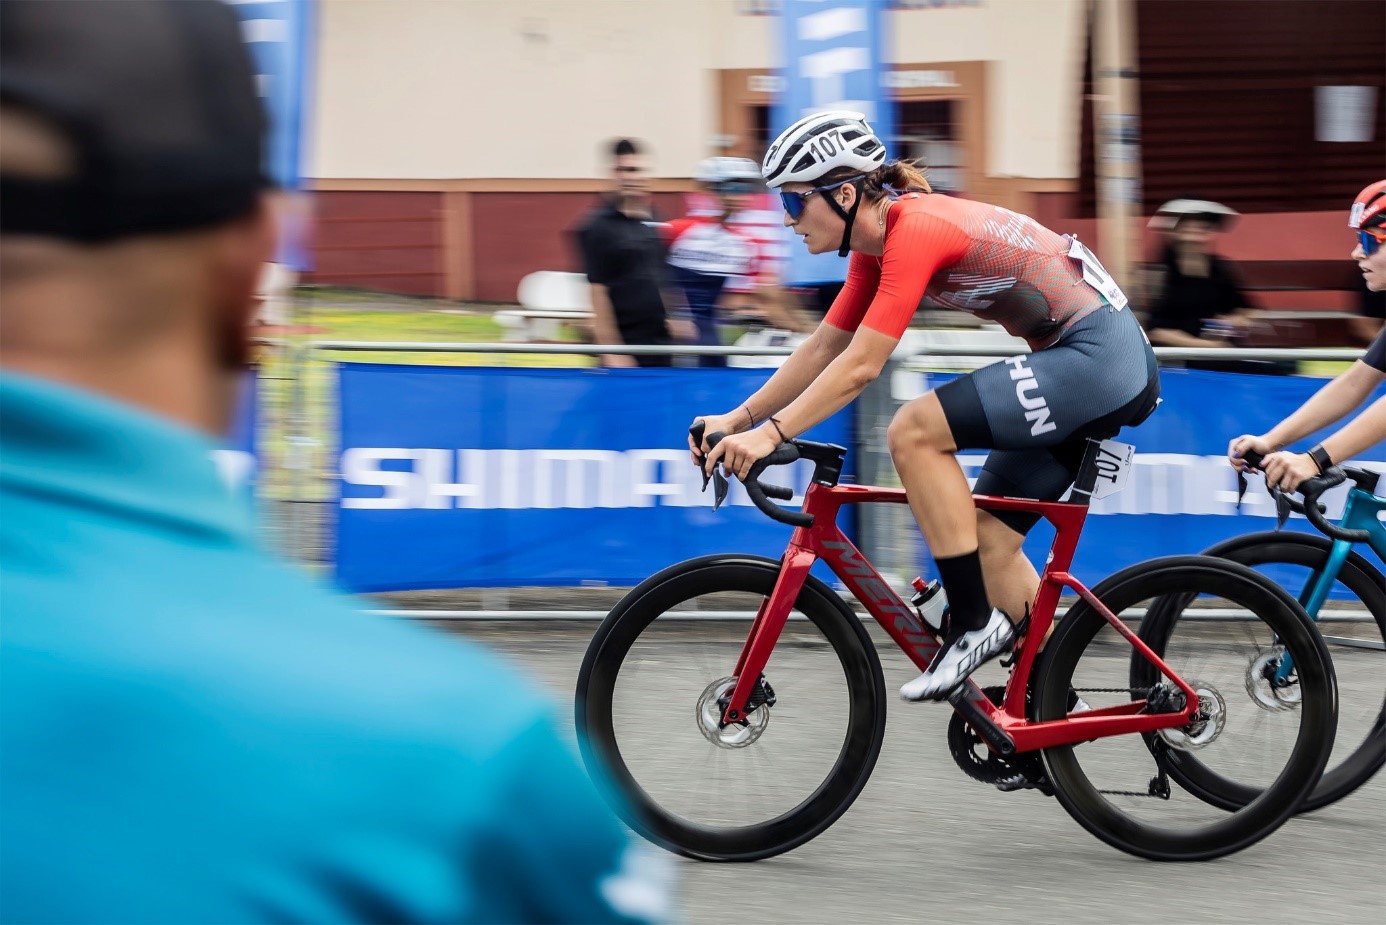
765, 630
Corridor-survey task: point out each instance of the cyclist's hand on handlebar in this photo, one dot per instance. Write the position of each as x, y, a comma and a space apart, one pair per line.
713, 424
739, 452
1287, 471
1239, 447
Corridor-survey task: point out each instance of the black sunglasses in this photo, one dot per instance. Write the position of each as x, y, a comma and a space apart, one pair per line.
794, 203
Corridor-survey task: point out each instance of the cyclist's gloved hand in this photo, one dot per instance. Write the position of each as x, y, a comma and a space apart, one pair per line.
739, 452
1287, 471
1239, 447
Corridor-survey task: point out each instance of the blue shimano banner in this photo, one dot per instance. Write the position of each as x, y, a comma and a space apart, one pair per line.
1181, 496
280, 36
465, 477
833, 59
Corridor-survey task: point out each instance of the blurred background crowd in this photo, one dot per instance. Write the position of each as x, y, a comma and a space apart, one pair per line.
452, 149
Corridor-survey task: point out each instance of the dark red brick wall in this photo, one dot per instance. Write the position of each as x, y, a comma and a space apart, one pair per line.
386, 241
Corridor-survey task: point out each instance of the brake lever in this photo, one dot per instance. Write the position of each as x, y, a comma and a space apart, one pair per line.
720, 485
1282, 507
696, 432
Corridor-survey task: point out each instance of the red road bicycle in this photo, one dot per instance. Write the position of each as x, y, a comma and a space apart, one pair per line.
725, 744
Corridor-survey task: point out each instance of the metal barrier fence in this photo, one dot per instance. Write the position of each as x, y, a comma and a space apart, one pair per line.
888, 533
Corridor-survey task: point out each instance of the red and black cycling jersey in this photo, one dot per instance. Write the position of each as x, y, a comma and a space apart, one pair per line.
972, 256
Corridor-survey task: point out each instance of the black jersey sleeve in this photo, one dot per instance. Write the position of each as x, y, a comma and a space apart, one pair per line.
1376, 353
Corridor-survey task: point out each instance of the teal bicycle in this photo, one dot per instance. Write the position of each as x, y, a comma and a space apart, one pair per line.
1319, 569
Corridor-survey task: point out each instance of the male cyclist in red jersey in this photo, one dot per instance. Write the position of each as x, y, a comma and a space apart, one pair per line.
1335, 400
1092, 370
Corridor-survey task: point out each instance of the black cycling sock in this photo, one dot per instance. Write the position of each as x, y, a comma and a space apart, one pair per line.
968, 607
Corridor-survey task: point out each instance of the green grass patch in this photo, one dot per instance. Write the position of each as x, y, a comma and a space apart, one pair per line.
298, 426
1328, 369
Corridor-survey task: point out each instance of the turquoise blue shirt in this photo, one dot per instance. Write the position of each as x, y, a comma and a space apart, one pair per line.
192, 732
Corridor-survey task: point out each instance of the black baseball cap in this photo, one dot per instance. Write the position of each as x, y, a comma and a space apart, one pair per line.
157, 99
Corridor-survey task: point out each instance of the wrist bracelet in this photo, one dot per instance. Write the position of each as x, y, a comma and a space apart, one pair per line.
747, 409
1320, 457
776, 424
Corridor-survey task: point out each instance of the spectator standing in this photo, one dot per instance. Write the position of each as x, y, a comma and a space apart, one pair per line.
623, 257
707, 257
192, 732
1200, 302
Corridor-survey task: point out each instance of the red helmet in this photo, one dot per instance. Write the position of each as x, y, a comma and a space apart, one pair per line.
1369, 208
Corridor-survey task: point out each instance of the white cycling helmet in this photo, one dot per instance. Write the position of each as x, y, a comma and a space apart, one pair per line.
717, 170
820, 143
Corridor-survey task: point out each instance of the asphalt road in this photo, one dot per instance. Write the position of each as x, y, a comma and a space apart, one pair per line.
924, 844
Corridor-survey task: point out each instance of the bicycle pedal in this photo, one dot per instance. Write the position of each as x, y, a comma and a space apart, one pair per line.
1022, 781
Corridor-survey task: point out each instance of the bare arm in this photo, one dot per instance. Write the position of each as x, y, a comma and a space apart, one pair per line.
829, 391
1331, 403
801, 369
1365, 432
852, 370
604, 327
1289, 470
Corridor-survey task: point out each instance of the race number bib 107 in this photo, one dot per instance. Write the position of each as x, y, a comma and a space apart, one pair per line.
1113, 466
1096, 275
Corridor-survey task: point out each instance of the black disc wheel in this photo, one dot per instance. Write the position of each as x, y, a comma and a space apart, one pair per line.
650, 700
1353, 624
1238, 770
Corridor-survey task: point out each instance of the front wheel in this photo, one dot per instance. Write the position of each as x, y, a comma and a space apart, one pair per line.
648, 713
1164, 795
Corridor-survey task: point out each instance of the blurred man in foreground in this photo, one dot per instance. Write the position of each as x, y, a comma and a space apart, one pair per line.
191, 732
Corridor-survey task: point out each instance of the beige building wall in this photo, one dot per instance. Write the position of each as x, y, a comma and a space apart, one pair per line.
507, 88
1034, 50
500, 89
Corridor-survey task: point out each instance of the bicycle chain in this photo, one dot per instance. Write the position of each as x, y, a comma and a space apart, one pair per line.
993, 768
1159, 784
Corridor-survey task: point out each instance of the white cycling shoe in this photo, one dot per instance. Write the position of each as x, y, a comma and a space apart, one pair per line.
960, 657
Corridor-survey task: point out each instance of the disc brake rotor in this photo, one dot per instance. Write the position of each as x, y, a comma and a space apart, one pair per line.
708, 715
1207, 722
1268, 694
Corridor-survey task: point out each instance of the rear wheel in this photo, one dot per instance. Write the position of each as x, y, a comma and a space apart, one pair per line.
1212, 622
1353, 624
648, 713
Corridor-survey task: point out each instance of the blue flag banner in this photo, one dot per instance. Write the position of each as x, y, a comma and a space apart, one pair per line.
1181, 496
833, 59
474, 477
280, 35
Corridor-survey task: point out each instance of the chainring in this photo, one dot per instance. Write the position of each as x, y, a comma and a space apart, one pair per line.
979, 762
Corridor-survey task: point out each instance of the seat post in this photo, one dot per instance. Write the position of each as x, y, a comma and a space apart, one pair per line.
1088, 471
